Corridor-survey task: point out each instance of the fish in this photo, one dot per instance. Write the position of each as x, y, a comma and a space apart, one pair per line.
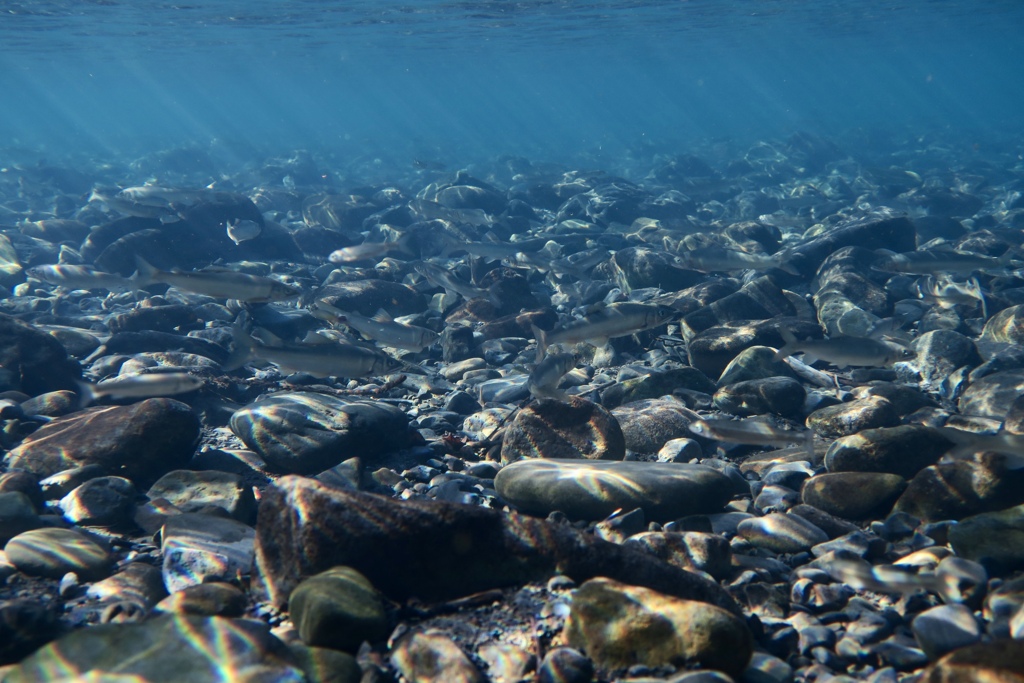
428, 210
319, 360
242, 230
544, 378
718, 259
439, 277
577, 265
219, 283
860, 575
604, 323
80, 277
967, 443
370, 250
139, 386
946, 293
843, 351
751, 433
380, 328
948, 261
493, 249
154, 195
128, 207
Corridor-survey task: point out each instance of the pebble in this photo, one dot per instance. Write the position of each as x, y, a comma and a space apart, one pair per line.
338, 609
945, 628
853, 495
199, 547
52, 553
103, 501
433, 658
781, 533
565, 665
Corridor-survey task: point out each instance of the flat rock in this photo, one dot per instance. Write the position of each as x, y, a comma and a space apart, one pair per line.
781, 533
164, 649
853, 495
52, 553
620, 625
577, 428
437, 550
199, 547
306, 433
140, 441
944, 628
593, 490
191, 491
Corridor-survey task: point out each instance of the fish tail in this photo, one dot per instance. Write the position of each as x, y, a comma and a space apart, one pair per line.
789, 345
87, 394
809, 444
145, 273
242, 351
542, 341
493, 297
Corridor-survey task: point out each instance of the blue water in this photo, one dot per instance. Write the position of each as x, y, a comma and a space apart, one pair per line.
454, 81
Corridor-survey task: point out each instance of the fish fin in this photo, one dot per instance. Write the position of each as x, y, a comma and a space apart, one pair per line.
268, 337
242, 351
789, 346
493, 297
783, 262
86, 394
145, 273
382, 316
313, 337
542, 341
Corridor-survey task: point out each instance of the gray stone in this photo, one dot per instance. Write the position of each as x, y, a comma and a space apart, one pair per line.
137, 583
992, 395
366, 297
680, 450
425, 657
656, 385
854, 495
305, 433
213, 599
1006, 326
648, 425
199, 547
192, 491
103, 501
960, 488
339, 609
52, 553
693, 550
755, 362
781, 533
945, 628
902, 450
577, 428
777, 395
619, 626
507, 663
994, 539
593, 490
940, 352
1000, 661
832, 422
17, 514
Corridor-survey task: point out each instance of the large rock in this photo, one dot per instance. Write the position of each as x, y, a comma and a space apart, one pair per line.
961, 488
593, 490
759, 299
140, 442
620, 626
306, 433
896, 234
992, 395
712, 350
1000, 661
366, 297
648, 425
338, 609
34, 361
163, 649
995, 539
576, 428
437, 550
853, 495
904, 450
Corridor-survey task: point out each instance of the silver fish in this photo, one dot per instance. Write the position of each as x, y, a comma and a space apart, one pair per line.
544, 378
319, 360
843, 351
154, 195
80, 277
945, 293
945, 261
439, 277
369, 250
220, 284
967, 443
716, 259
607, 322
750, 432
140, 386
380, 328
241, 230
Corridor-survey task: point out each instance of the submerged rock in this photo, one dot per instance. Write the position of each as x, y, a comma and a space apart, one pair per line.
549, 428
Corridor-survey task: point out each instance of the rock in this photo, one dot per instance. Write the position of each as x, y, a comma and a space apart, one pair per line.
693, 550
52, 553
198, 548
994, 539
507, 663
338, 609
306, 433
904, 399
140, 441
164, 649
1005, 326
940, 352
759, 299
781, 533
37, 362
103, 501
192, 491
755, 362
992, 395
679, 450
777, 395
169, 318
853, 495
1000, 661
26, 624
713, 349
137, 583
648, 425
565, 665
426, 657
366, 297
437, 550
17, 515
944, 628
213, 599
322, 665
855, 416
904, 450
639, 267
655, 385
619, 626
960, 488
593, 490
896, 234
548, 428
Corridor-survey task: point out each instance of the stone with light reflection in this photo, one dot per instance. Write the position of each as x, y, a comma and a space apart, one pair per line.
199, 547
338, 609
576, 428
437, 551
55, 552
594, 490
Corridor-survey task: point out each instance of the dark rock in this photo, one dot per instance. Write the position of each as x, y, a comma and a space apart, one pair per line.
37, 361
1000, 661
17, 514
157, 318
366, 297
565, 665
777, 395
193, 491
756, 362
456, 343
759, 299
854, 416
896, 234
903, 450
25, 624
153, 341
992, 395
650, 424
52, 553
713, 349
213, 599
103, 501
853, 495
960, 488
640, 267
338, 609
655, 385
548, 428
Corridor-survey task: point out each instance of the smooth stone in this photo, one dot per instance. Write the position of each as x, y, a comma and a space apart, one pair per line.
37, 361
213, 599
565, 665
759, 299
777, 395
904, 450
322, 665
896, 234
682, 449
650, 424
163, 649
437, 550
656, 385
713, 349
1005, 326
139, 441
905, 399
962, 488
994, 539
103, 501
853, 495
137, 583
191, 491
992, 395
620, 625
781, 533
577, 428
305, 433
338, 609
832, 422
25, 625
693, 550
427, 657
507, 663
593, 490
945, 628
756, 362
52, 553
482, 425
17, 515
940, 352
1000, 661
199, 547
